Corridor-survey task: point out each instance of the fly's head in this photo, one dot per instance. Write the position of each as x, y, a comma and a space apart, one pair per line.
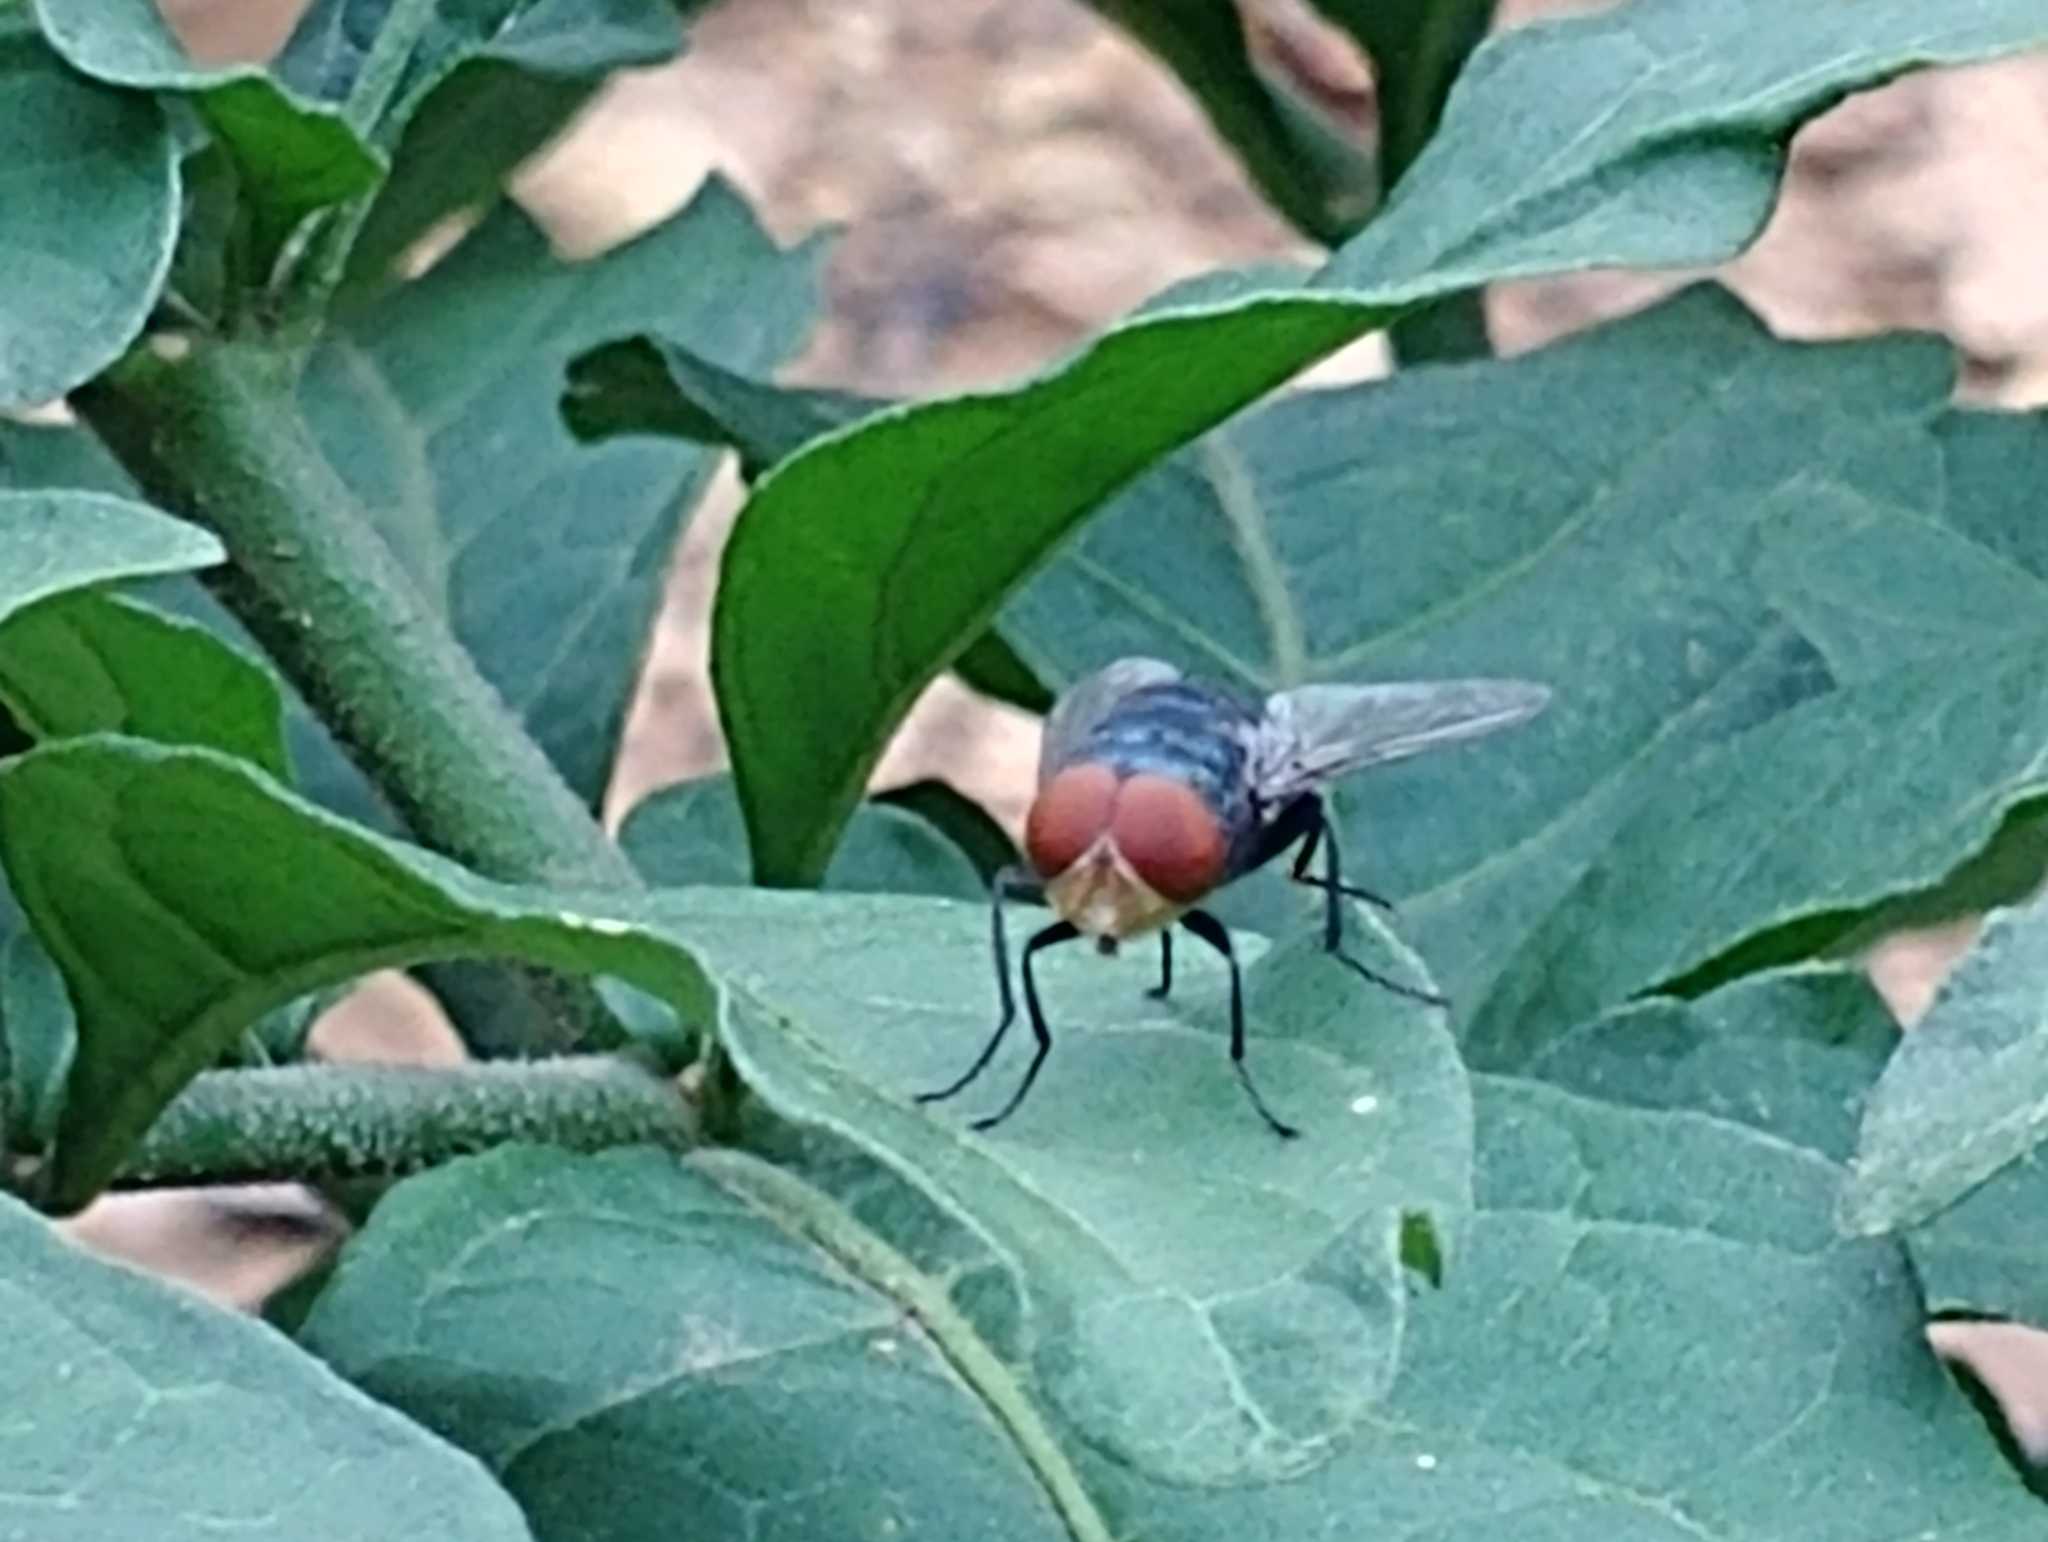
1123, 855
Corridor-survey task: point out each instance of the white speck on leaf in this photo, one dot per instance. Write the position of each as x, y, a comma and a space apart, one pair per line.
1366, 1103
1426, 1462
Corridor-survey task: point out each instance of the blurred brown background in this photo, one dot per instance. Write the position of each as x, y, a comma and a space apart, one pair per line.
1010, 175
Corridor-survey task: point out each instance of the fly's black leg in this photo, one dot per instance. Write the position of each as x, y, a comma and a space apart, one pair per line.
1333, 917
1328, 882
1164, 988
1011, 881
1211, 931
1058, 932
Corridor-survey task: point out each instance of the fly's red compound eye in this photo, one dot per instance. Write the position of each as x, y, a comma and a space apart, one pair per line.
1069, 815
1170, 837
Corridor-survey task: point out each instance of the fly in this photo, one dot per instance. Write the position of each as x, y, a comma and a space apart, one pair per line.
1155, 790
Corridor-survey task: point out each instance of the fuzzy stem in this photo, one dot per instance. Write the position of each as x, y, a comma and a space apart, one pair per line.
217, 435
326, 1123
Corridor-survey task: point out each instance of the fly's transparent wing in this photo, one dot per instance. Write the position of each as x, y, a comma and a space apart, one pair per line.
1087, 701
1317, 733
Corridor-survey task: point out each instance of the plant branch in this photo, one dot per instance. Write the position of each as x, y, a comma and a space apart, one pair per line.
321, 1123
217, 435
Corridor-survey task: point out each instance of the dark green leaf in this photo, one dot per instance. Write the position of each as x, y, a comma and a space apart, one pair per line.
692, 833
221, 1427
1966, 1096
991, 666
291, 156
88, 663
54, 542
92, 215
469, 134
1644, 135
1201, 1298
963, 821
646, 385
40, 1033
437, 402
1305, 167
650, 1348
1982, 1255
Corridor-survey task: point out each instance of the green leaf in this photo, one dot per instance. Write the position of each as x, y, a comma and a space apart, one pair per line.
91, 662
457, 150
1649, 135
816, 649
291, 156
55, 542
1201, 1298
221, 1427
986, 844
1196, 1298
437, 403
1452, 522
692, 833
652, 1348
1417, 48
92, 215
649, 385
329, 51
40, 1034
1322, 183
1966, 1096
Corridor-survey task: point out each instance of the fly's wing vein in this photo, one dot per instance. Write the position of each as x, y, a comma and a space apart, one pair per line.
1316, 733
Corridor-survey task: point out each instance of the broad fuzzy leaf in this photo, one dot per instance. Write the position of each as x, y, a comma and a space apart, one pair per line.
626, 1344
92, 215
159, 1418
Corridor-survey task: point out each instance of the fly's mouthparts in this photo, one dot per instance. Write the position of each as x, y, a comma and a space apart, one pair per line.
1106, 946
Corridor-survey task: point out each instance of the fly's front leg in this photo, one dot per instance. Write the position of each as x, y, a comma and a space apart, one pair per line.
1058, 932
1008, 883
1213, 932
1164, 988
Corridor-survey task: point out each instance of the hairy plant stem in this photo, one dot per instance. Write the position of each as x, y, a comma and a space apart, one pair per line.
216, 434
328, 1123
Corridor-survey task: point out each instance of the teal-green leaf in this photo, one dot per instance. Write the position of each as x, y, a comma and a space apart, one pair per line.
648, 385
633, 1349
1202, 1298
92, 215
1197, 1298
437, 402
692, 833
328, 50
292, 156
57, 541
160, 1418
1453, 521
1966, 1096
94, 663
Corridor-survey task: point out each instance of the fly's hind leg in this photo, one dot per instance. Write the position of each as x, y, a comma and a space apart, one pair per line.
1011, 882
1312, 822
